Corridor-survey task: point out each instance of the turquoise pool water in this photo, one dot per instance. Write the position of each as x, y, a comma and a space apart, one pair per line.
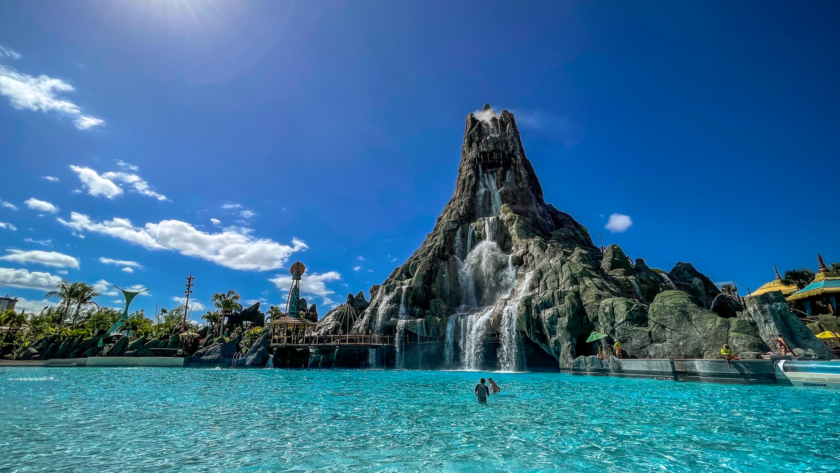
149, 419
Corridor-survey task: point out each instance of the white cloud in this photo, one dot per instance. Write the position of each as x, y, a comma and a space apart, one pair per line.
8, 205
360, 258
247, 214
104, 185
24, 279
393, 260
370, 270
38, 242
47, 258
118, 227
215, 221
63, 271
51, 178
232, 248
194, 304
40, 205
127, 270
138, 288
32, 307
139, 185
120, 262
42, 94
618, 223
104, 288
97, 186
84, 122
357, 268
8, 226
232, 206
8, 53
125, 165
311, 285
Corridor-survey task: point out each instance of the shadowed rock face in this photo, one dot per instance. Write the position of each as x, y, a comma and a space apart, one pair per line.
511, 264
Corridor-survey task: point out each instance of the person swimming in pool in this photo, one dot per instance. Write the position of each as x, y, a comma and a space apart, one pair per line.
482, 392
494, 388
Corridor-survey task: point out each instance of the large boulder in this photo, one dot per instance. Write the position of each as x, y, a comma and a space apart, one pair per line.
681, 329
174, 341
66, 348
219, 354
257, 356
136, 344
119, 347
770, 313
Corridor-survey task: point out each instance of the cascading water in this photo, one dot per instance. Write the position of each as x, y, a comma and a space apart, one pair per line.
510, 350
459, 246
488, 198
399, 341
372, 358
486, 274
476, 333
470, 233
382, 309
449, 344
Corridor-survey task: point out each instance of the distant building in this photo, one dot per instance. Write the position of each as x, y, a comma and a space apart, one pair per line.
7, 303
776, 285
823, 290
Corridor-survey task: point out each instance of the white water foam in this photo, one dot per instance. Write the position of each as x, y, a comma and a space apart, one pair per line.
510, 351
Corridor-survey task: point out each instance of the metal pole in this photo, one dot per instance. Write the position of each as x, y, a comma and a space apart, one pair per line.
602, 241
187, 303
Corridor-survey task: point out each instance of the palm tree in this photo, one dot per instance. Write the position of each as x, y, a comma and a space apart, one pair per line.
64, 293
799, 277
274, 313
226, 303
835, 267
727, 289
69, 294
212, 318
84, 298
12, 320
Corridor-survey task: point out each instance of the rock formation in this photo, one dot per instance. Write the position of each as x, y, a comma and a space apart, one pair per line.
502, 264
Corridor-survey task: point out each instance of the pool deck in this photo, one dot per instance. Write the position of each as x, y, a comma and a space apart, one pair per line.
98, 362
710, 371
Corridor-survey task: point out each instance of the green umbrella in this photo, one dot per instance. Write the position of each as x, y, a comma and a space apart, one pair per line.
594, 336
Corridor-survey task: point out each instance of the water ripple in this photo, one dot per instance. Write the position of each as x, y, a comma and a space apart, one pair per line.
148, 419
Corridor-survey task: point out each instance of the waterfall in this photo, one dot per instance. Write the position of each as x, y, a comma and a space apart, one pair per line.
486, 274
459, 245
399, 342
510, 350
372, 358
470, 233
493, 230
382, 309
488, 198
449, 347
477, 331
270, 363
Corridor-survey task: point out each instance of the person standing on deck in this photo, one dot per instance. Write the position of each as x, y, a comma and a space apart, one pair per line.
482, 392
783, 347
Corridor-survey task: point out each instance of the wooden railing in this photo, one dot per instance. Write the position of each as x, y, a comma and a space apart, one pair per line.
296, 339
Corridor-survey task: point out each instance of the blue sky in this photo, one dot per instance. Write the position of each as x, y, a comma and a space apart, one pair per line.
330, 133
